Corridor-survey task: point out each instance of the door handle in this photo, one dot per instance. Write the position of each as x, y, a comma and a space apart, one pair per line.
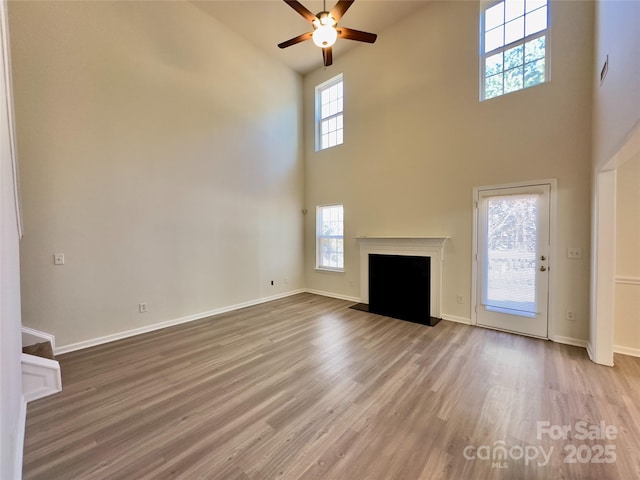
543, 268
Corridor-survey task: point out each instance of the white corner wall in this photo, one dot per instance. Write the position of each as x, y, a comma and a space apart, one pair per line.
616, 141
12, 405
616, 101
626, 332
417, 140
163, 163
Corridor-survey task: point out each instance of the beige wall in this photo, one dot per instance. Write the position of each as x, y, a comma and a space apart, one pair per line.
417, 141
165, 164
627, 303
12, 414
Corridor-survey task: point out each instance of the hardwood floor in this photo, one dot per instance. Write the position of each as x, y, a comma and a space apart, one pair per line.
306, 388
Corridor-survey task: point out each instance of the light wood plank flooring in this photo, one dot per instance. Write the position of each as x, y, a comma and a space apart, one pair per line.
306, 388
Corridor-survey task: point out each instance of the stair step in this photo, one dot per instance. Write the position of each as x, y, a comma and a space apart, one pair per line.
43, 350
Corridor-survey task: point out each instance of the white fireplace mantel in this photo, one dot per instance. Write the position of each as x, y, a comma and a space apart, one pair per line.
413, 246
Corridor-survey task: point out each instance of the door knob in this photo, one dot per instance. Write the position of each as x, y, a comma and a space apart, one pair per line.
543, 268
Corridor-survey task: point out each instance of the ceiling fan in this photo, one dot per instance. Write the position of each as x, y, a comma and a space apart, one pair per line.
325, 28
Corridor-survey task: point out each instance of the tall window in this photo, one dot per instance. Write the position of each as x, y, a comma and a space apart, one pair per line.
330, 237
329, 105
513, 37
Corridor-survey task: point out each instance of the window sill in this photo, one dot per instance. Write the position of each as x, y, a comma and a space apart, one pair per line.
329, 270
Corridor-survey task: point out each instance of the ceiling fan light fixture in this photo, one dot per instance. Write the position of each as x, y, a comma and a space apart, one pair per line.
325, 32
326, 19
325, 36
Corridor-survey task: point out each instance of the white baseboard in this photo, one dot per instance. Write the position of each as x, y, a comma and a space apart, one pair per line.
592, 356
19, 451
453, 318
634, 352
590, 351
169, 323
40, 377
628, 280
334, 295
575, 342
31, 336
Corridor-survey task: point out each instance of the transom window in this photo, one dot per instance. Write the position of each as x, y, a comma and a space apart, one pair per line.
329, 107
514, 53
330, 237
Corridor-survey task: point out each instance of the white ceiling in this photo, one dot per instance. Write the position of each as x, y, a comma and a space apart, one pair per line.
265, 23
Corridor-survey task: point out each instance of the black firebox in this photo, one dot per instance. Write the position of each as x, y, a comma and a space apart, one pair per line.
400, 287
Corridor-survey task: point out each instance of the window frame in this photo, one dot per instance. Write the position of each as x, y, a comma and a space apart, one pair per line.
319, 236
318, 111
488, 4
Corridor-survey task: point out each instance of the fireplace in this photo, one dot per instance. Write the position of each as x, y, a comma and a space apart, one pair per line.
401, 277
400, 287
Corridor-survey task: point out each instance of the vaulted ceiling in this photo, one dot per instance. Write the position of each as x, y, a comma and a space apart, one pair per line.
265, 23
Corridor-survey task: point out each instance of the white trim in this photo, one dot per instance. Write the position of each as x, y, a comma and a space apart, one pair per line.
576, 342
474, 256
453, 318
413, 246
319, 210
28, 332
553, 242
620, 280
329, 270
590, 351
482, 55
318, 111
634, 352
603, 261
169, 323
6, 71
40, 377
19, 450
333, 295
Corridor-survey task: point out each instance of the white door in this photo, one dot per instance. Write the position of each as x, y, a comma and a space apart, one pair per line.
512, 236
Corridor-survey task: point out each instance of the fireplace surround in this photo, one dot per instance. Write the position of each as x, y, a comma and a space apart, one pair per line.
432, 247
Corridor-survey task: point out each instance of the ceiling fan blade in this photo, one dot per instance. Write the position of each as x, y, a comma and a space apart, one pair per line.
327, 56
298, 39
342, 6
301, 9
351, 34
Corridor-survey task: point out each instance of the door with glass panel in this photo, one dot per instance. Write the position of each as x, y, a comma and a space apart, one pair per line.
512, 236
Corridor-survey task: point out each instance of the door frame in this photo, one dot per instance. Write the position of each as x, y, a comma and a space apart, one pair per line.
553, 252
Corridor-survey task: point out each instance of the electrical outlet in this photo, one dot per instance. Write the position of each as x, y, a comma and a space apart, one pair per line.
272, 283
571, 316
143, 307
286, 281
460, 299
58, 258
